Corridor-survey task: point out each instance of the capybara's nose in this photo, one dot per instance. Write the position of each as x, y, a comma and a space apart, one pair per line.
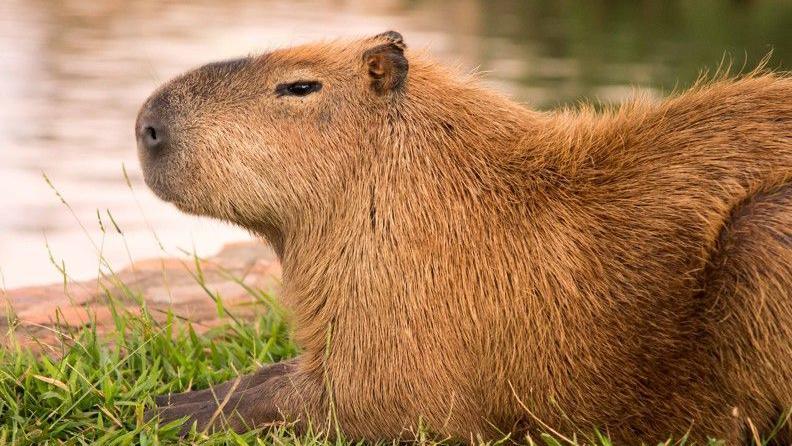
153, 136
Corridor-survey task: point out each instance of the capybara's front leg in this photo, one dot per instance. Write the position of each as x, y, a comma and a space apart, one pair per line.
287, 397
219, 391
241, 411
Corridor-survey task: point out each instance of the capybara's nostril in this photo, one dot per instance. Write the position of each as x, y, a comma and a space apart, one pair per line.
151, 133
153, 137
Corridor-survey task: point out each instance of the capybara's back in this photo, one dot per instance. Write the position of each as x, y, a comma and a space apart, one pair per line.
452, 257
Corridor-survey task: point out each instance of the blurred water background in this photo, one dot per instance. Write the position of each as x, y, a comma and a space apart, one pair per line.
73, 74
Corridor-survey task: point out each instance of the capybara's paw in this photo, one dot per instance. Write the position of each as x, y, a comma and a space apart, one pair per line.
197, 396
193, 413
163, 400
217, 393
241, 411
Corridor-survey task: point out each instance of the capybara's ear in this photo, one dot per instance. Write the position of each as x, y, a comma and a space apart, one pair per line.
391, 36
387, 67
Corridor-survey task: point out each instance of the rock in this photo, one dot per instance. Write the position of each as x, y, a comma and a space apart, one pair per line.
39, 313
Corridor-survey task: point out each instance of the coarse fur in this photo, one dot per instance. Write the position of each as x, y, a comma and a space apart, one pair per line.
454, 258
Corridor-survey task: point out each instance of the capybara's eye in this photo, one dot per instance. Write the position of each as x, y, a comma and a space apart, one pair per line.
299, 88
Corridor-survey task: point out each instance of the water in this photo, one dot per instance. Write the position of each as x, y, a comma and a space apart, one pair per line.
73, 74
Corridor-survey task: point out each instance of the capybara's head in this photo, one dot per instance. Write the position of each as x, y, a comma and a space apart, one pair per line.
256, 139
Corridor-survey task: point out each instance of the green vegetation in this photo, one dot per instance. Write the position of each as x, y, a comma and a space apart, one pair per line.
95, 390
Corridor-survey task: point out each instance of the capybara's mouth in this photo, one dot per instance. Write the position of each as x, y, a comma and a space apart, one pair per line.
162, 177
172, 184
161, 188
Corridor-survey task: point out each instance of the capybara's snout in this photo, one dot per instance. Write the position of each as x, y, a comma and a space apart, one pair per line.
152, 128
152, 134
157, 132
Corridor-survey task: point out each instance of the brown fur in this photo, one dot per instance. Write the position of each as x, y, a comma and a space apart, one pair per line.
451, 256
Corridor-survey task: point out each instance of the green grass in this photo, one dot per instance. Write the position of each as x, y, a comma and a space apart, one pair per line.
93, 390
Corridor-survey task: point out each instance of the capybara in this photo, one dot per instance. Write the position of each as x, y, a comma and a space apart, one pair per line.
456, 261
